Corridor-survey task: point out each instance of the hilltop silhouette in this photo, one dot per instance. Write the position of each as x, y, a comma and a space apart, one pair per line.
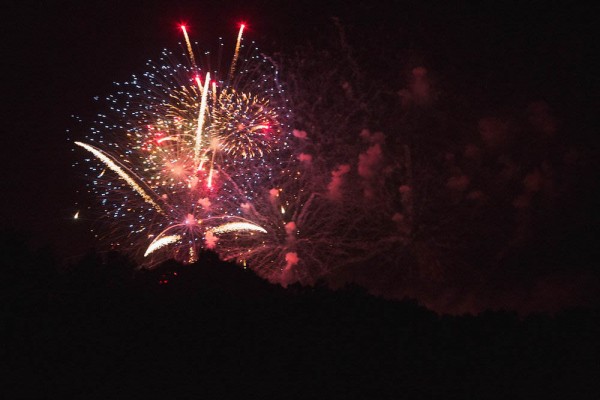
99, 328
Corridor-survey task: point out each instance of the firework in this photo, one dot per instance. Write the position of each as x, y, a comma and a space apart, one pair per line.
180, 154
190, 158
184, 162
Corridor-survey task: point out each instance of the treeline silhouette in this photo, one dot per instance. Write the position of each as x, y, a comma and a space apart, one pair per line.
99, 328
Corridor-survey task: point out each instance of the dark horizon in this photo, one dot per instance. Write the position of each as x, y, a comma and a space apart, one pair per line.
97, 331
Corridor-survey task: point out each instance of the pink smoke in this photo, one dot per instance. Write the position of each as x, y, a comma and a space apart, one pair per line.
299, 134
398, 218
458, 183
205, 203
420, 86
369, 162
337, 180
475, 195
493, 131
210, 240
377, 137
288, 275
305, 158
290, 228
473, 152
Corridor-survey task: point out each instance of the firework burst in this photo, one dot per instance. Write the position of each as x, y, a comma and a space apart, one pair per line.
182, 154
189, 159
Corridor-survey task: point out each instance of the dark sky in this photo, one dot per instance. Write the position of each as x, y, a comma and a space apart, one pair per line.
58, 55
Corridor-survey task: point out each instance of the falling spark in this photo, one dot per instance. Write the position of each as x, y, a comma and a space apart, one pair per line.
189, 46
214, 93
237, 226
161, 242
119, 171
172, 138
201, 113
237, 51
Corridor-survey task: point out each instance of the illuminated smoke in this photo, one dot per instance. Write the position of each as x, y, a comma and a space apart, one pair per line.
299, 134
305, 158
210, 240
337, 180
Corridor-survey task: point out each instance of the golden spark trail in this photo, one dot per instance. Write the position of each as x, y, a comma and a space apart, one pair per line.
214, 93
215, 146
189, 46
198, 144
111, 164
212, 162
237, 226
237, 52
172, 138
161, 242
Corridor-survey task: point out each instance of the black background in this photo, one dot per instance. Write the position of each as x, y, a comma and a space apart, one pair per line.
94, 331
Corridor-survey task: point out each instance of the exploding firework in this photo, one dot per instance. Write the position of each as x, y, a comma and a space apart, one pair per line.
181, 155
189, 159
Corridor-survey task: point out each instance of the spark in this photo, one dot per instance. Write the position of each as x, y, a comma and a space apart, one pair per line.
113, 165
160, 242
173, 138
189, 46
237, 51
199, 129
237, 226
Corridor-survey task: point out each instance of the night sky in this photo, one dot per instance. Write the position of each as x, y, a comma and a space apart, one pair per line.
503, 56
